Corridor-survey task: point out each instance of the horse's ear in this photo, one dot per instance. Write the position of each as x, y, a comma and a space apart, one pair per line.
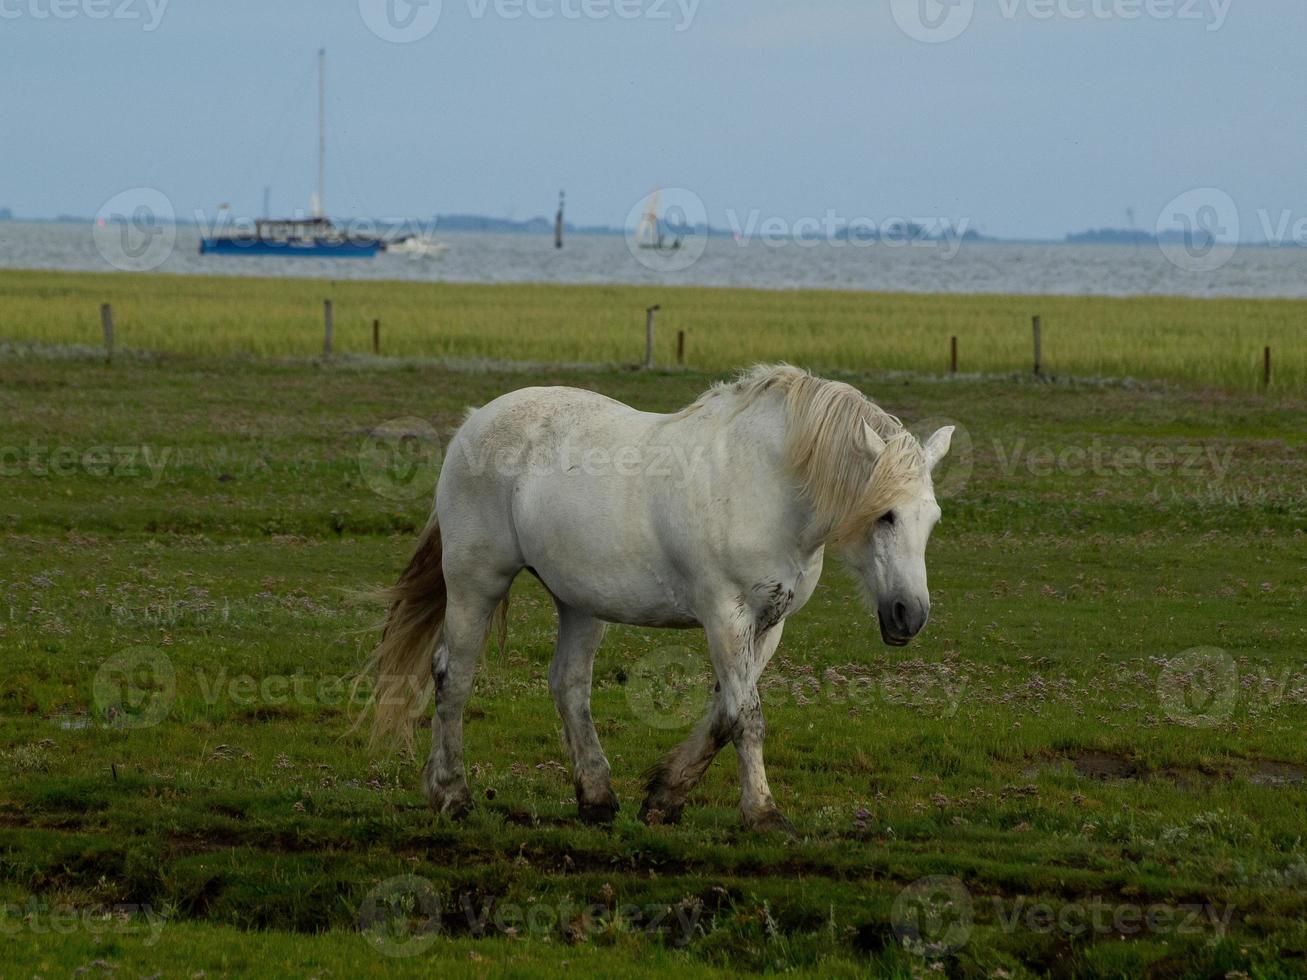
875, 444
937, 445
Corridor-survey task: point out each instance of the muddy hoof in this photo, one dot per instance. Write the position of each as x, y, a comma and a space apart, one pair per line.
770, 821
602, 812
456, 805
657, 813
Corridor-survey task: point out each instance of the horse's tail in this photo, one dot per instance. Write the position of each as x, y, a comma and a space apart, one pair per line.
400, 666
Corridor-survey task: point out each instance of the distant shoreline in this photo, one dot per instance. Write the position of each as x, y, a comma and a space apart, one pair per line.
482, 224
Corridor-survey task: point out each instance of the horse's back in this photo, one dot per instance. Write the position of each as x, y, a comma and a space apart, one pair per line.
562, 474
543, 420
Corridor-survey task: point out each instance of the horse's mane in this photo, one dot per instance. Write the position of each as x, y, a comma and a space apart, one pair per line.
846, 489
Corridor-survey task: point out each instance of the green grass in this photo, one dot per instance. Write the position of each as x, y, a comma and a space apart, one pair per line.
1209, 342
1028, 744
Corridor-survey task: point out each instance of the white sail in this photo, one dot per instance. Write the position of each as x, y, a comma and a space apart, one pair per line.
646, 233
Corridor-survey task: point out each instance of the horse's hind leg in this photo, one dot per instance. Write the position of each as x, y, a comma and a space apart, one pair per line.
471, 604
579, 635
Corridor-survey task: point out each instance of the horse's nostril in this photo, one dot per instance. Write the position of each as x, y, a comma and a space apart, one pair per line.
901, 616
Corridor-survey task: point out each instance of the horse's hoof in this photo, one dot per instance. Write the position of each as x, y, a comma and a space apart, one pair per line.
769, 821
458, 809
602, 812
659, 813
456, 804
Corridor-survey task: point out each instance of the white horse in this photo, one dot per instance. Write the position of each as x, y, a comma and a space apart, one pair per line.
717, 516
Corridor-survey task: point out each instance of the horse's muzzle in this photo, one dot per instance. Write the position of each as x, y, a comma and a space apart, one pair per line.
901, 620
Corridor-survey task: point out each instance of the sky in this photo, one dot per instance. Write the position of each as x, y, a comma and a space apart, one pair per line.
1020, 118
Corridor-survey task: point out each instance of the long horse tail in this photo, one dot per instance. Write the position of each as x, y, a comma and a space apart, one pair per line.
400, 665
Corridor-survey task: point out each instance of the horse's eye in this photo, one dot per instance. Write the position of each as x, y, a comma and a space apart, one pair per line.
887, 518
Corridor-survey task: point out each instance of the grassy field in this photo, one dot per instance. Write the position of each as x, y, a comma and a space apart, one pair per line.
1091, 763
1209, 342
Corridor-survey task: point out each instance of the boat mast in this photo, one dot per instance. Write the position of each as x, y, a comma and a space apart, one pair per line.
322, 133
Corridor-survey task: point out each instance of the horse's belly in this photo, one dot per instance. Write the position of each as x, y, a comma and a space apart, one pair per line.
613, 593
598, 553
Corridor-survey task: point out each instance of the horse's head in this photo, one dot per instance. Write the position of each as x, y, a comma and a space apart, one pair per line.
891, 555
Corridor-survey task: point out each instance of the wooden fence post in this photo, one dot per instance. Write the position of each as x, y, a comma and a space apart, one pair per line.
953, 355
106, 323
649, 335
1039, 361
1266, 368
376, 336
680, 347
328, 327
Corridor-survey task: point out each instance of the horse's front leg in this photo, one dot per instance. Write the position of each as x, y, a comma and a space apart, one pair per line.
738, 674
735, 716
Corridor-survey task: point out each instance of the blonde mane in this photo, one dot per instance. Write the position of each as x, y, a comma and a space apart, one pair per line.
846, 489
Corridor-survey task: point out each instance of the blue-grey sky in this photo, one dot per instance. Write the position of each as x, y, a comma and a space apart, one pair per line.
1040, 117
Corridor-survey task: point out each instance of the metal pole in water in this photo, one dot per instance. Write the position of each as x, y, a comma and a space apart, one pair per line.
558, 222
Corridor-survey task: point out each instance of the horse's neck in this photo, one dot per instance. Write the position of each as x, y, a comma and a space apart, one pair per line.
755, 436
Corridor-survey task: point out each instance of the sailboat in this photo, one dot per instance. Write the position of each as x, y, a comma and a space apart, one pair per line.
649, 232
315, 236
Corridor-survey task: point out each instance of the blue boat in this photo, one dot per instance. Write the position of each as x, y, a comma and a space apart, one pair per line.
291, 237
313, 237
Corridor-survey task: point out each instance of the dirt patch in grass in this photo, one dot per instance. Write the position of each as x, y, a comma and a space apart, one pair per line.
1267, 772
1094, 764
1108, 766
